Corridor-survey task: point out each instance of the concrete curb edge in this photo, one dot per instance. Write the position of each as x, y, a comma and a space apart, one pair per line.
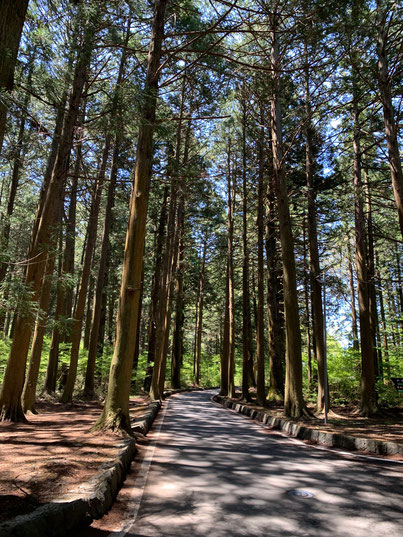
89, 501
315, 435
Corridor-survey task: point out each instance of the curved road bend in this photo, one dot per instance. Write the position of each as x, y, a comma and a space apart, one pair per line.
211, 472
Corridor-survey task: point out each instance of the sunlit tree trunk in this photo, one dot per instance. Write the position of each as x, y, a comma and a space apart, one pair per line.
99, 298
42, 240
115, 414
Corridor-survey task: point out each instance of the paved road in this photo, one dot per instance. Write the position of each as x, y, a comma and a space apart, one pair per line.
215, 473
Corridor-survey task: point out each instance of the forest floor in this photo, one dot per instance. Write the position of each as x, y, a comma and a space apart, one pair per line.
55, 452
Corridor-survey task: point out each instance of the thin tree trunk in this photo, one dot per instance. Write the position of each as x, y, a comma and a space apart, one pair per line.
294, 405
231, 307
383, 325
155, 295
307, 311
15, 179
29, 391
51, 370
246, 313
85, 276
170, 264
70, 236
115, 414
199, 326
177, 343
225, 346
373, 311
276, 324
88, 314
260, 376
164, 296
97, 306
93, 348
314, 265
354, 326
368, 403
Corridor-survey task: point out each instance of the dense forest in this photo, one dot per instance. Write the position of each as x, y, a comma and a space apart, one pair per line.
201, 193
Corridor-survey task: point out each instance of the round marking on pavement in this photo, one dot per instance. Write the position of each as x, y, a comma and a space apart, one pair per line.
300, 493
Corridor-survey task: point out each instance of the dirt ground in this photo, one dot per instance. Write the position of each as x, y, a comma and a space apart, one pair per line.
53, 453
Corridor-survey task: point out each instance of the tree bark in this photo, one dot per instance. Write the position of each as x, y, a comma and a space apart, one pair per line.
98, 299
246, 313
155, 288
93, 346
177, 344
29, 391
276, 322
116, 410
225, 345
391, 129
368, 402
294, 405
162, 316
85, 276
373, 310
199, 326
314, 263
260, 377
12, 17
383, 325
231, 307
354, 326
43, 240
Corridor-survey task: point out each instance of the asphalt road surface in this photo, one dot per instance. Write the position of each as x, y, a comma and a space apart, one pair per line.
208, 471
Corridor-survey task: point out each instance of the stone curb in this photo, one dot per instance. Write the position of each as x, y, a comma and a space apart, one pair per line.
306, 433
89, 501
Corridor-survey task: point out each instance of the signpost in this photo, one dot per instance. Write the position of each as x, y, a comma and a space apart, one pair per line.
398, 382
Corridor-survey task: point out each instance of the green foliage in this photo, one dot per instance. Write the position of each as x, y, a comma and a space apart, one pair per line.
388, 396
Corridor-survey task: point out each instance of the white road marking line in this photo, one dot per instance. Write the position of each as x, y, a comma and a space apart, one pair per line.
141, 480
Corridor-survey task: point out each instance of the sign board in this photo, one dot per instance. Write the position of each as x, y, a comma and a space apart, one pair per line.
398, 382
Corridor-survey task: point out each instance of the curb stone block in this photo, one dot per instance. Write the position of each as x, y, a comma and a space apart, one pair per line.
87, 501
315, 435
